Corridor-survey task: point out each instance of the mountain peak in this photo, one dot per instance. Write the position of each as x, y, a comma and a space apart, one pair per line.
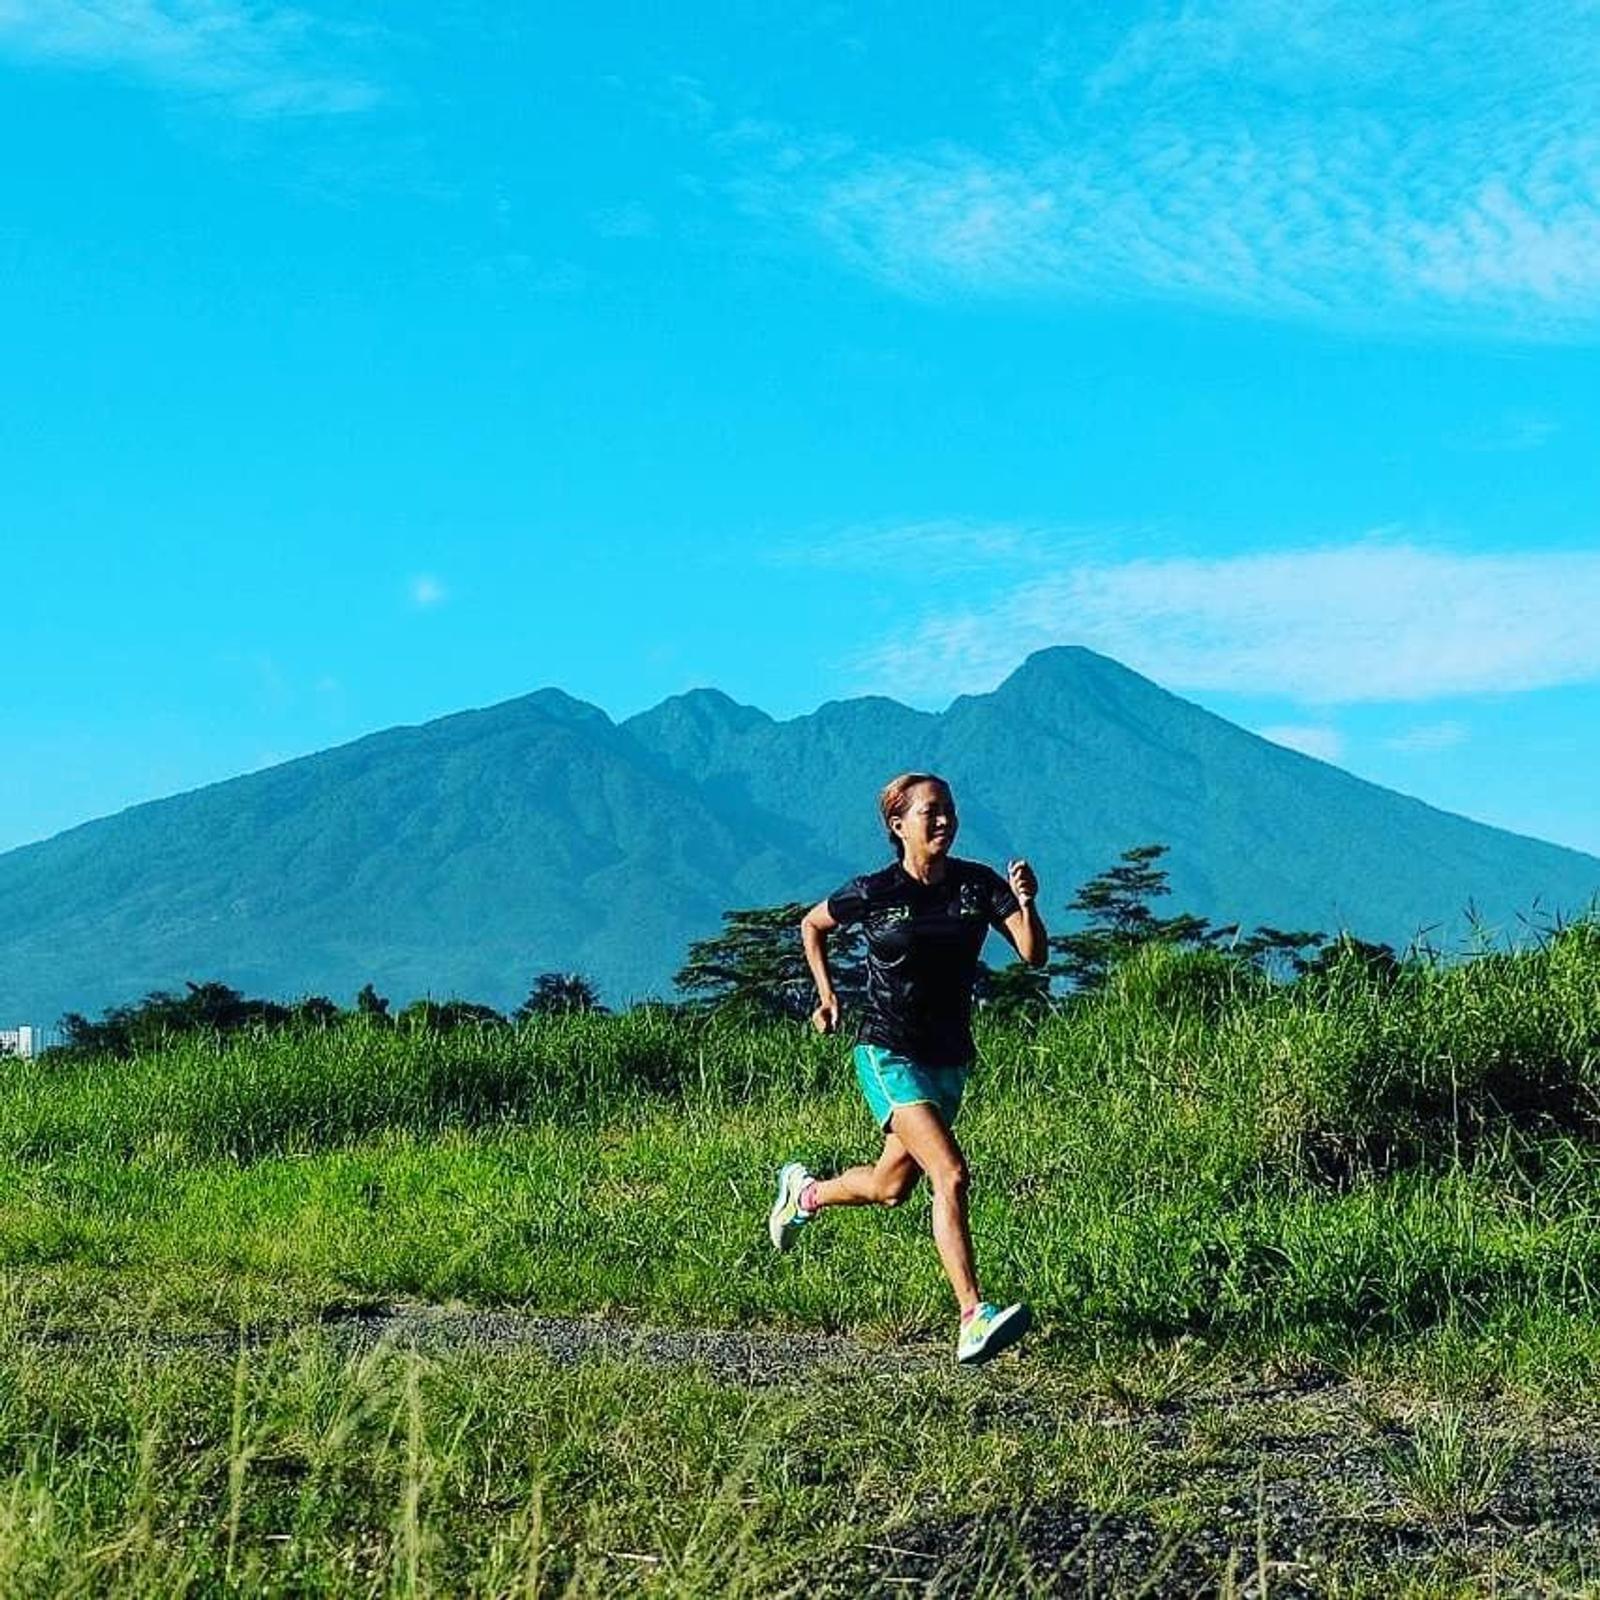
713, 705
704, 713
555, 702
1075, 661
1049, 679
550, 705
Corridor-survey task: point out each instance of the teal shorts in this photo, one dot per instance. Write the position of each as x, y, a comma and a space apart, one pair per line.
889, 1080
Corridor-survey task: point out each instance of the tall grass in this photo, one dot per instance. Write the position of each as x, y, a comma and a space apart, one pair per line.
1391, 1173
1182, 1048
298, 1468
251, 1095
1358, 1154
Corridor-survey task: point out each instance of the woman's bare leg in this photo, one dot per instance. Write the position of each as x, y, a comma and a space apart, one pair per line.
885, 1184
923, 1133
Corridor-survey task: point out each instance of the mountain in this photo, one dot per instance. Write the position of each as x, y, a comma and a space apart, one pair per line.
1075, 757
465, 855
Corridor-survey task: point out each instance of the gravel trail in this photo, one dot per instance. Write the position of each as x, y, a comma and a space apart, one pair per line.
1296, 1488
758, 1358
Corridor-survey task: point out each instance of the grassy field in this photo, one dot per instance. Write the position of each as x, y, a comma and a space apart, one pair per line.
1337, 1235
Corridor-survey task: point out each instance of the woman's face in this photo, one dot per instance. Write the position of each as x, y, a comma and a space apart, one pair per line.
928, 824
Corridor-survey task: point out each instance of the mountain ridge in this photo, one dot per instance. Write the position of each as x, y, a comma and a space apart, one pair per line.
465, 853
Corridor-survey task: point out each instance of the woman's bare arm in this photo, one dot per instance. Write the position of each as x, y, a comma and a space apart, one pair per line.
1023, 928
815, 927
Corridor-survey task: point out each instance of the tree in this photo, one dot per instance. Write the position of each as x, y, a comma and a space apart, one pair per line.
316, 1011
445, 1016
1273, 949
209, 1007
757, 966
163, 1014
1117, 904
1347, 954
372, 1005
1013, 991
81, 1037
559, 994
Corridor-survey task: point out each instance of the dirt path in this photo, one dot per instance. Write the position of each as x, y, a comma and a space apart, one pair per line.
736, 1355
1292, 1488
1297, 1488
748, 1356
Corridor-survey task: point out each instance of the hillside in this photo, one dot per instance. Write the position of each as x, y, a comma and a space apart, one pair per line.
464, 855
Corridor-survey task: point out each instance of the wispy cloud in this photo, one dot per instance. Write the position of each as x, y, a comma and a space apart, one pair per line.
427, 591
1376, 619
1349, 161
1429, 736
1310, 739
258, 60
940, 547
1511, 435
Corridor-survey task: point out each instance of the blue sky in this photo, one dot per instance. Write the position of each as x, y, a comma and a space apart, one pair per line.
362, 365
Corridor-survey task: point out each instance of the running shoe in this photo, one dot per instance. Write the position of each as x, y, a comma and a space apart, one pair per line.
989, 1330
786, 1217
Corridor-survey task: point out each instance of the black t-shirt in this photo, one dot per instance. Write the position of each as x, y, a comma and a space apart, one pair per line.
922, 942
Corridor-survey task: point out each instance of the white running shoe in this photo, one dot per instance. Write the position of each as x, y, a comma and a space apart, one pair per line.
786, 1217
988, 1331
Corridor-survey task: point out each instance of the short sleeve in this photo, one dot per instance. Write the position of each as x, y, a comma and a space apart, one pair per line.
1002, 902
848, 903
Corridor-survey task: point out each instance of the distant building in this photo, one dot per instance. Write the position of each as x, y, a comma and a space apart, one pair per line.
23, 1042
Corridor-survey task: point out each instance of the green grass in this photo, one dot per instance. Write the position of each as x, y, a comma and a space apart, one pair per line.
1394, 1180
1445, 1467
1311, 1166
299, 1466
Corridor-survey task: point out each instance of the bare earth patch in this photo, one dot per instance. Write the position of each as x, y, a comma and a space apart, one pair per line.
1289, 1490
1313, 1486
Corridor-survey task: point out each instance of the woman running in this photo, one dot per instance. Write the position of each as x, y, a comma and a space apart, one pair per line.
925, 917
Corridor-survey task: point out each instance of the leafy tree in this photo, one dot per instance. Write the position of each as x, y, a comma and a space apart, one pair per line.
757, 965
81, 1037
164, 1014
210, 1007
1014, 991
1120, 921
445, 1016
316, 1011
372, 1005
1275, 950
559, 994
1345, 953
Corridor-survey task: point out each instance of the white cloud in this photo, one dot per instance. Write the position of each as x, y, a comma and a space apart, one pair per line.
258, 60
941, 547
1310, 739
1429, 736
1372, 620
1351, 161
427, 591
